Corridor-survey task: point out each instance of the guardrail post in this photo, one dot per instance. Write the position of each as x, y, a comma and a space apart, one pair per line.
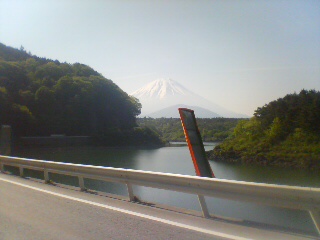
315, 215
203, 205
21, 171
130, 192
5, 140
46, 176
81, 183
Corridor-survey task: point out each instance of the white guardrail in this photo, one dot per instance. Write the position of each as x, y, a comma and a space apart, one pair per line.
302, 198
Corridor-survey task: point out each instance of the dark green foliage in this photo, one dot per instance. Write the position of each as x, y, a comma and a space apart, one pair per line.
211, 129
12, 54
284, 132
40, 97
294, 111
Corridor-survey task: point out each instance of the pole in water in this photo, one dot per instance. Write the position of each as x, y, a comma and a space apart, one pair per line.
195, 144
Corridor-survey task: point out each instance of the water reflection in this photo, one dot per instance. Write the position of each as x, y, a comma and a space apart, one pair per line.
266, 174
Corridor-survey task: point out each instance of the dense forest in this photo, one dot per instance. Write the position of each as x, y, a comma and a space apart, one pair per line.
41, 97
285, 132
170, 129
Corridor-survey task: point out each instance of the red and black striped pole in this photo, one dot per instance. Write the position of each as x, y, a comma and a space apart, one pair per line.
195, 144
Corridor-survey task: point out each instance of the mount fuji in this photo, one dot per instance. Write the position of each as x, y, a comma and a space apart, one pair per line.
172, 112
162, 94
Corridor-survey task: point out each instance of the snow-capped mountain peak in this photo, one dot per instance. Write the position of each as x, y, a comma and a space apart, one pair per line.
160, 89
164, 93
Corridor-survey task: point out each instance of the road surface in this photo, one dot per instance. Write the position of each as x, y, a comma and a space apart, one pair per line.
32, 210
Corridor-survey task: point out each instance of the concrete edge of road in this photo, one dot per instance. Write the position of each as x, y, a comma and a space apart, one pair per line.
187, 219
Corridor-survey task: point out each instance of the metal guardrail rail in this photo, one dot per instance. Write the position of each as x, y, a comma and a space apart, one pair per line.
301, 198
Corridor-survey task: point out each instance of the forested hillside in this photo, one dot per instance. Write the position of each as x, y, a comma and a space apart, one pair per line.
40, 97
211, 129
284, 132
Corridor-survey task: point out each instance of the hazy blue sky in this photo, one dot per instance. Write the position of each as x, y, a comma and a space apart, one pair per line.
238, 54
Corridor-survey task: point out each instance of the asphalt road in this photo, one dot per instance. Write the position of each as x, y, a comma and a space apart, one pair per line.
32, 210
30, 214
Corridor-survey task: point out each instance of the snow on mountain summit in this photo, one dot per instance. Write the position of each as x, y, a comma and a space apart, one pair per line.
165, 93
160, 89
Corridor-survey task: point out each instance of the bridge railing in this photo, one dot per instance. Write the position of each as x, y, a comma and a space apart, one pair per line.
301, 198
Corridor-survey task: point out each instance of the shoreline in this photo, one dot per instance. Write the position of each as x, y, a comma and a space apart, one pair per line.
261, 161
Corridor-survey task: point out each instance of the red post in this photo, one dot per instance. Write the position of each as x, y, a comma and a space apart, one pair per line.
195, 144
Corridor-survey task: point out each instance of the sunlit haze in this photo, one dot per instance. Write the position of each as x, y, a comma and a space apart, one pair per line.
237, 54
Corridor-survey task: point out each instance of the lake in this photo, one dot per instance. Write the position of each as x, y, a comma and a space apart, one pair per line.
176, 159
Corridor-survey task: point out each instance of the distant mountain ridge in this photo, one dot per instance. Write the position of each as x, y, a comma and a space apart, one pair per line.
172, 112
165, 93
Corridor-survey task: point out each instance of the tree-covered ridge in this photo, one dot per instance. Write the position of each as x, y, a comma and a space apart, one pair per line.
293, 111
284, 132
11, 54
40, 96
170, 129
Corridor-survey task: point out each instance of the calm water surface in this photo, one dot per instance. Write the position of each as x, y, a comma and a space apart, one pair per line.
178, 160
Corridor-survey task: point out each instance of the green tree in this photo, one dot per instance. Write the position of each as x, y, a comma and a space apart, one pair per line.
275, 132
39, 96
283, 132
